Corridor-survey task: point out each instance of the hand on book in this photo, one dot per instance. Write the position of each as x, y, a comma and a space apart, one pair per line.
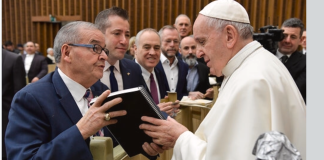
152, 149
196, 95
94, 119
163, 132
169, 107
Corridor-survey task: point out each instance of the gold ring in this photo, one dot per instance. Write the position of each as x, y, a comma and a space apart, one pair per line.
107, 117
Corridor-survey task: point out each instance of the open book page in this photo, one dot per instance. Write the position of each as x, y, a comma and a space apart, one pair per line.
186, 101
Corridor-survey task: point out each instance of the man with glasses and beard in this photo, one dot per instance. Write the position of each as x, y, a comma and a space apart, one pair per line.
197, 77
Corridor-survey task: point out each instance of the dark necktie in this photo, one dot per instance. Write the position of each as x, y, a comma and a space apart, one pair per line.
113, 81
153, 88
88, 95
284, 59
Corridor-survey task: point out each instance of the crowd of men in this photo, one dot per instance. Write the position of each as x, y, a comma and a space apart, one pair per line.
52, 112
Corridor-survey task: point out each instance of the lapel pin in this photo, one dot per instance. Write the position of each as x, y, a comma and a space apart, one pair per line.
128, 74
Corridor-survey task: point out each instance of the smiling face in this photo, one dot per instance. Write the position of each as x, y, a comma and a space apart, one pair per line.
291, 41
183, 25
148, 50
170, 42
211, 45
85, 64
117, 38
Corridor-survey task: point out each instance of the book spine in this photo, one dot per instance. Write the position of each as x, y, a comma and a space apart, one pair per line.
150, 100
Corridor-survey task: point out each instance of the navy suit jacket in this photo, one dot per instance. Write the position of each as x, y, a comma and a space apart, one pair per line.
131, 73
42, 122
38, 68
182, 78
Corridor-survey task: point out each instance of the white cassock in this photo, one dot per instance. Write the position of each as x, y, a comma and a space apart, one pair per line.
257, 95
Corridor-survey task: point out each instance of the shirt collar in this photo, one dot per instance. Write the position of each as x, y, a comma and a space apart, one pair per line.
279, 54
30, 55
240, 56
165, 60
107, 65
145, 73
77, 90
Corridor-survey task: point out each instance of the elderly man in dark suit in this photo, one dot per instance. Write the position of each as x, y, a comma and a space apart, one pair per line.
294, 60
35, 64
198, 73
13, 79
174, 70
58, 124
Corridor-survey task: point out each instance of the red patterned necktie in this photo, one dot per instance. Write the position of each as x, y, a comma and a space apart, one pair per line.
88, 95
153, 89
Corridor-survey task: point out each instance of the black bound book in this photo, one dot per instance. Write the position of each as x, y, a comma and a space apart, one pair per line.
137, 102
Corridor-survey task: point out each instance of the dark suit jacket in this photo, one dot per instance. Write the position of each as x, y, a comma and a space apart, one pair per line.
296, 65
203, 74
182, 81
13, 79
38, 67
131, 73
42, 122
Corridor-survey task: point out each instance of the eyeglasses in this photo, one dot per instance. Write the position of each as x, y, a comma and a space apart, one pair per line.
95, 47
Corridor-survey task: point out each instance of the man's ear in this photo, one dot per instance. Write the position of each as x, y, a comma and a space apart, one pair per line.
231, 36
135, 48
65, 53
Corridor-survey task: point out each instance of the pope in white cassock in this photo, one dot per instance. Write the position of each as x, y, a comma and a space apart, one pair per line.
257, 95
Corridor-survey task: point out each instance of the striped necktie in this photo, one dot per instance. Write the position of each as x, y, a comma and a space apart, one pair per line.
88, 95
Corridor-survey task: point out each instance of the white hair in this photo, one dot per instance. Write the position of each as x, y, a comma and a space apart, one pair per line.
245, 30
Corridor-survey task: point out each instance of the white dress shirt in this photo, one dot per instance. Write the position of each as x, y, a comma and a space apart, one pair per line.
146, 76
77, 91
28, 61
171, 72
105, 78
279, 54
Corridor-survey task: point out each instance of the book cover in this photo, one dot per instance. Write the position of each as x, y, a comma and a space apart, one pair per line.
137, 102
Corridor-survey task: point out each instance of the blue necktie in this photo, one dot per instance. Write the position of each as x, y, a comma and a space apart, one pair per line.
113, 81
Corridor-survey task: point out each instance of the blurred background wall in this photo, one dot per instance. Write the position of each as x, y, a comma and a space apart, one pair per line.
25, 20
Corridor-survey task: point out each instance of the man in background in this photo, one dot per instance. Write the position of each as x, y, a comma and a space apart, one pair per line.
294, 60
174, 70
35, 64
183, 25
13, 79
303, 42
38, 49
10, 47
198, 73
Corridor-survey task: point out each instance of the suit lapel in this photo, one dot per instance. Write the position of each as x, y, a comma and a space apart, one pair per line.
160, 68
66, 98
125, 74
294, 58
32, 65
